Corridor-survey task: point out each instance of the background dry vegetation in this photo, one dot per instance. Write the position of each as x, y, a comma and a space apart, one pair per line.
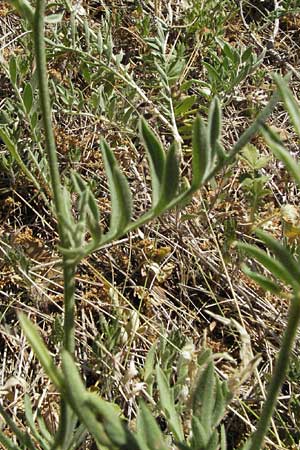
178, 280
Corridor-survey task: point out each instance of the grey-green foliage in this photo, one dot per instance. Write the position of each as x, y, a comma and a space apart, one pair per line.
281, 265
227, 70
206, 403
80, 235
253, 181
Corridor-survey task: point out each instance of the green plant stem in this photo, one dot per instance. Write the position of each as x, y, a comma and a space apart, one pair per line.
280, 371
69, 307
41, 69
66, 417
69, 271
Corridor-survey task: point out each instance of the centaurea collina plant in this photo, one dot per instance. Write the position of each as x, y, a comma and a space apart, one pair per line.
82, 411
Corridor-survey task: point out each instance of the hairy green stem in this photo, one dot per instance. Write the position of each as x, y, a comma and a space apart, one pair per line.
44, 98
278, 377
69, 307
69, 271
65, 425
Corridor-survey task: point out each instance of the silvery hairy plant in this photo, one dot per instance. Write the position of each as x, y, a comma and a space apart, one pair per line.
82, 411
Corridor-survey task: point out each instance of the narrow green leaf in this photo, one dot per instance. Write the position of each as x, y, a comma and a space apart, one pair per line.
41, 351
281, 253
156, 157
184, 105
290, 102
212, 72
182, 446
13, 70
200, 435
282, 153
148, 430
203, 400
112, 424
114, 427
201, 162
261, 280
213, 443
204, 356
149, 363
121, 201
93, 208
54, 18
274, 266
31, 424
214, 124
7, 443
247, 444
75, 395
221, 402
22, 437
28, 97
78, 182
170, 182
83, 205
11, 147
74, 386
79, 437
168, 406
25, 9
220, 152
43, 429
93, 218
253, 129
223, 440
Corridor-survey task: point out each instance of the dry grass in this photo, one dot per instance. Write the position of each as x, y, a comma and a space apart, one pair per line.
182, 272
